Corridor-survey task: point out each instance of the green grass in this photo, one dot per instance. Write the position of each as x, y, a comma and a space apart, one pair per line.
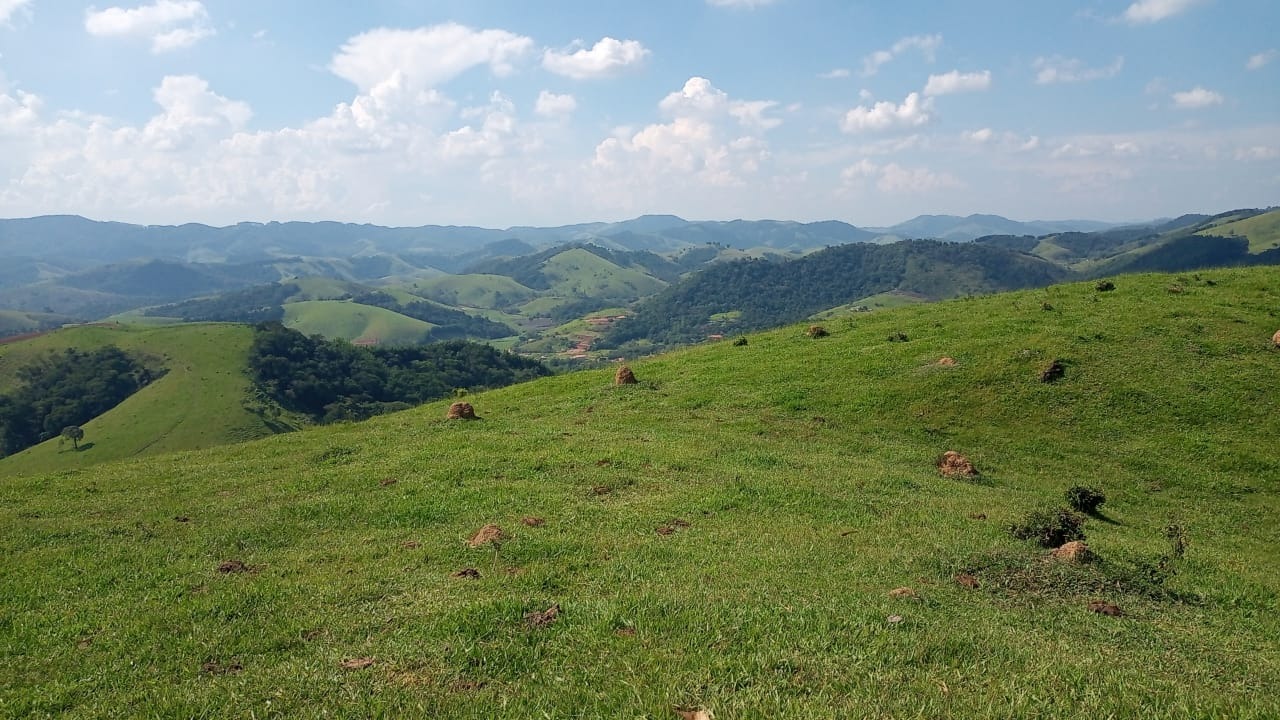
880, 301
351, 321
324, 288
14, 322
1263, 231
198, 403
804, 468
477, 291
580, 273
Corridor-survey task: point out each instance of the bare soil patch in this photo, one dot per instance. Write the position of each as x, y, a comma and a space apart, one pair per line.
461, 411
488, 534
954, 465
544, 618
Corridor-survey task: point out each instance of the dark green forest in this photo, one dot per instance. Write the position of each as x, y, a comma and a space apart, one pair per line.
65, 389
770, 293
333, 380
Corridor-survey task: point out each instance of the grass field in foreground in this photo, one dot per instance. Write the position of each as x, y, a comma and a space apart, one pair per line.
794, 483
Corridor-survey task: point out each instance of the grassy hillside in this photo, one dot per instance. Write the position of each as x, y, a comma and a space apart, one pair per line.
479, 291
14, 322
578, 272
1262, 230
198, 403
350, 321
723, 535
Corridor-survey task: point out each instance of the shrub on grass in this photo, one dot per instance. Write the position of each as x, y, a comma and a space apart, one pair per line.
1085, 499
740, 342
816, 331
1105, 286
1050, 528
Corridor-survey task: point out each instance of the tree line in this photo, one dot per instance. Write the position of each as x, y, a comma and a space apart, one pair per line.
333, 380
67, 389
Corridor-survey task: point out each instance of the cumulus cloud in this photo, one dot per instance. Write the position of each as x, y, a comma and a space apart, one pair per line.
550, 104
9, 7
606, 58
896, 179
1196, 98
169, 24
699, 98
711, 142
426, 57
191, 110
835, 74
1261, 60
1058, 69
957, 82
913, 112
1150, 11
980, 136
926, 44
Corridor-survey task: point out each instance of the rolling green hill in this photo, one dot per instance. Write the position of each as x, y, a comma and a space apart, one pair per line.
351, 321
724, 535
1263, 231
476, 291
199, 402
15, 322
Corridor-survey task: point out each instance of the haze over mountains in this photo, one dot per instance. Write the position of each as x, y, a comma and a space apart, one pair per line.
74, 241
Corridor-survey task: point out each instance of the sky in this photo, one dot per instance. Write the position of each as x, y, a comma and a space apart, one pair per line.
501, 113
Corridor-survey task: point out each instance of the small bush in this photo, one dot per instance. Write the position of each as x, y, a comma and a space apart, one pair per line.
1105, 286
897, 336
817, 331
1085, 499
1046, 307
740, 342
1050, 528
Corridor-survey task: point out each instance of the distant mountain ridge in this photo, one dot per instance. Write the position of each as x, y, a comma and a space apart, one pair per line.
78, 242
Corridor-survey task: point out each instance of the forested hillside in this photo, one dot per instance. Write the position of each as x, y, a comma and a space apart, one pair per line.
761, 293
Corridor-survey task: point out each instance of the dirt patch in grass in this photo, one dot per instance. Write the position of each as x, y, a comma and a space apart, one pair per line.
465, 686
181, 519
1075, 551
230, 567
532, 521
215, 667
816, 331
1105, 608
1053, 372
543, 618
904, 593
625, 632
468, 573
359, 663
954, 465
946, 362
624, 376
672, 527
488, 534
461, 411
969, 581
388, 482
410, 544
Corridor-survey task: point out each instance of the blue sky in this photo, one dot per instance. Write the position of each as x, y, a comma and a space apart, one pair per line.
504, 113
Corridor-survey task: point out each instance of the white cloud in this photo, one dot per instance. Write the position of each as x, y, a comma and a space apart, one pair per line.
191, 111
835, 74
885, 115
1150, 11
699, 98
18, 114
927, 44
550, 104
1262, 59
980, 136
712, 145
1058, 69
1196, 98
9, 7
426, 57
896, 179
1258, 152
606, 58
170, 24
957, 82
